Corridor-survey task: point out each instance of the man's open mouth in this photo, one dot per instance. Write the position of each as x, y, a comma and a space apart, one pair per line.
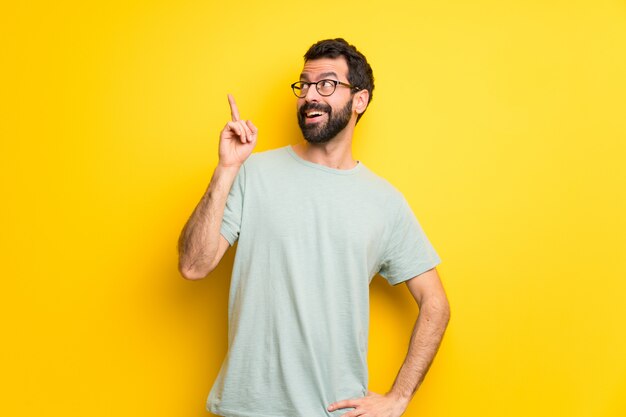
314, 114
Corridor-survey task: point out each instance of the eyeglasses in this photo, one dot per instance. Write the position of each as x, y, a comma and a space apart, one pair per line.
325, 88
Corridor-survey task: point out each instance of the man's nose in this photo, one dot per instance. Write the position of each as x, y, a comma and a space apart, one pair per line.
312, 94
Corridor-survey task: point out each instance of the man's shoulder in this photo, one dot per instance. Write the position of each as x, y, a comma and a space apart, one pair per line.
381, 184
267, 157
270, 153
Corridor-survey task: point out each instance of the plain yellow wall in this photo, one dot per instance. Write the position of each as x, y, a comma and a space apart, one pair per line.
502, 122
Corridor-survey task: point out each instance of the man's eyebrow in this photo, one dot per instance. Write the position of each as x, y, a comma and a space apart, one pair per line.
323, 75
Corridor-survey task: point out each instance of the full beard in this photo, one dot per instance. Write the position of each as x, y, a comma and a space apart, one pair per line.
323, 132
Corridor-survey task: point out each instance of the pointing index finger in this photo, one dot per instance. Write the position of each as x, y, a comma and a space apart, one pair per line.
234, 112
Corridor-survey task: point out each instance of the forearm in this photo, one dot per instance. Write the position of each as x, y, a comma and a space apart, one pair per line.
199, 240
425, 340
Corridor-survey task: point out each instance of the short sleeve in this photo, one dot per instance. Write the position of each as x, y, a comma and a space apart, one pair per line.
408, 251
231, 222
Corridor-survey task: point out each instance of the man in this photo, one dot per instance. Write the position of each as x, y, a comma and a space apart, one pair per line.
313, 227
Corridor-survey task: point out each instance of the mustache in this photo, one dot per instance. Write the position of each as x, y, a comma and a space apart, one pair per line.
314, 106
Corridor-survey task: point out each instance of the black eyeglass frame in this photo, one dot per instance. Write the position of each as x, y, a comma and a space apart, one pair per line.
309, 84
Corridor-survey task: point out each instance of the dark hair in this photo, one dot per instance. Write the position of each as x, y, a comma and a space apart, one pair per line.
360, 73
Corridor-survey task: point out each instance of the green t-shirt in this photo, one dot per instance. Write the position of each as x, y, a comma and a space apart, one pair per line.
310, 239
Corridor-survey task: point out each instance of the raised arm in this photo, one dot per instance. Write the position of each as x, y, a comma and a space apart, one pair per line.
428, 331
201, 246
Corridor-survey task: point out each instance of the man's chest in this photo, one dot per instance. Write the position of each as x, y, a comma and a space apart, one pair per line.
319, 215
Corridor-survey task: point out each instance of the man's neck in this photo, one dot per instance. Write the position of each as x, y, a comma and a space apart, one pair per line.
333, 154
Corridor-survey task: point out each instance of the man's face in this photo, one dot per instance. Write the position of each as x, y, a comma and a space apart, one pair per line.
322, 118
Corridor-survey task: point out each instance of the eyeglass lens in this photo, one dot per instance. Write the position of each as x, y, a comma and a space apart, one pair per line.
324, 88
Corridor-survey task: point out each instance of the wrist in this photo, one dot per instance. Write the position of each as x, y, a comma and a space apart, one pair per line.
399, 398
223, 178
222, 166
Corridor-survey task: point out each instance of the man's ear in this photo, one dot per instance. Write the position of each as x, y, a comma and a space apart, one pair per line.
360, 101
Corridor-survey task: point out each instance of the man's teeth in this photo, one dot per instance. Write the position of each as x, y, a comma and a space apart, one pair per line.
314, 114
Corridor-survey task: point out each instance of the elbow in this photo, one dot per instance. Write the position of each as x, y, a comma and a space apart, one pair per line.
438, 308
443, 306
446, 314
192, 272
194, 267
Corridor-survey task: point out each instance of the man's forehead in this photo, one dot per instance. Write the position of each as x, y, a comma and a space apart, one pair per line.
325, 67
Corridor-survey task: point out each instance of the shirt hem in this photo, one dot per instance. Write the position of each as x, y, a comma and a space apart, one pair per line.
221, 411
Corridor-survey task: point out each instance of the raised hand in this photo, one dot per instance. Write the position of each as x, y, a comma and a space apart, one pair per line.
237, 139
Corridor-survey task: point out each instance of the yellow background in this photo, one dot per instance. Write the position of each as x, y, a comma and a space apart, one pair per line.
502, 122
